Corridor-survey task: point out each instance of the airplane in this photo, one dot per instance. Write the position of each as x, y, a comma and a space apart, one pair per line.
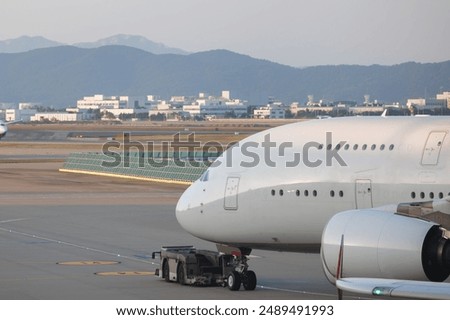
371, 195
4, 127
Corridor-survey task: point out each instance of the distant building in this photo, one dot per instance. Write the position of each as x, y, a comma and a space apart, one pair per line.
100, 101
19, 114
192, 109
427, 104
444, 96
12, 114
162, 108
116, 105
218, 107
361, 110
261, 112
118, 112
294, 107
56, 116
277, 113
269, 112
29, 105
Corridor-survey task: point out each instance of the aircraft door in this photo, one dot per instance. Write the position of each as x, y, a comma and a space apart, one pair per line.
363, 189
432, 150
231, 194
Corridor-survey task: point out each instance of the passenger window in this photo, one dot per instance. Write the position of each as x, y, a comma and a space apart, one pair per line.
332, 193
315, 193
355, 147
364, 147
297, 193
281, 192
391, 147
374, 146
306, 193
413, 195
382, 147
273, 192
341, 193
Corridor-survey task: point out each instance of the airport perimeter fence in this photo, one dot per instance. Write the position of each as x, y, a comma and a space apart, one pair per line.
170, 167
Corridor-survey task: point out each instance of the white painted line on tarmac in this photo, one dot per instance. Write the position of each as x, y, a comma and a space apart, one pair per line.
13, 220
74, 245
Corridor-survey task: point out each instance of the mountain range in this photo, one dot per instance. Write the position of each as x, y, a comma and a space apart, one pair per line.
59, 76
27, 43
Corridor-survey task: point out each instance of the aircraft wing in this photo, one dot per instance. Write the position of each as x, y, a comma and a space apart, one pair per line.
395, 288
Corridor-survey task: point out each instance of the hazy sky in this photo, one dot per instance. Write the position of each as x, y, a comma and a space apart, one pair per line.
293, 32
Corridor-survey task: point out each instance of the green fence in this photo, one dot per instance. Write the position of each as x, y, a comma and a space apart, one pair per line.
182, 167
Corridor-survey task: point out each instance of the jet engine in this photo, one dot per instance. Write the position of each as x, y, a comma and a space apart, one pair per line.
379, 244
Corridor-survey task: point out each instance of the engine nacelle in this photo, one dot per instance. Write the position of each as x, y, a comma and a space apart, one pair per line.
381, 244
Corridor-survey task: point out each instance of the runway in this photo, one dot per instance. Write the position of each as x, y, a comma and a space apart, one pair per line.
69, 236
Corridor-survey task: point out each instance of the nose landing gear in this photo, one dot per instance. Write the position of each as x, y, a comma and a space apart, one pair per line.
241, 275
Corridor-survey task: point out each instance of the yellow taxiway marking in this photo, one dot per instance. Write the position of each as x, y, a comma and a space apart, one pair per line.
88, 263
126, 273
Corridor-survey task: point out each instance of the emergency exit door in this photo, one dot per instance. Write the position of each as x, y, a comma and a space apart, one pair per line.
231, 193
363, 190
432, 149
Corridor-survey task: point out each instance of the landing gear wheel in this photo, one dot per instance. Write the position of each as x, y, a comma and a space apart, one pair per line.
165, 271
249, 280
180, 274
234, 281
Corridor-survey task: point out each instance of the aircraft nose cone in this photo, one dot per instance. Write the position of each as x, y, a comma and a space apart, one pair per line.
187, 210
183, 207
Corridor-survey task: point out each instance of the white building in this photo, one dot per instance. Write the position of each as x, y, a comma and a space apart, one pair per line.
56, 116
261, 113
100, 101
162, 108
216, 106
12, 114
444, 96
269, 112
192, 109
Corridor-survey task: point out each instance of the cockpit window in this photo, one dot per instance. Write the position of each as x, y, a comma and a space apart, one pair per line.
205, 176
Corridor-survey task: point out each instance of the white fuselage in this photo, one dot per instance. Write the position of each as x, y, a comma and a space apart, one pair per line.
277, 189
3, 129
